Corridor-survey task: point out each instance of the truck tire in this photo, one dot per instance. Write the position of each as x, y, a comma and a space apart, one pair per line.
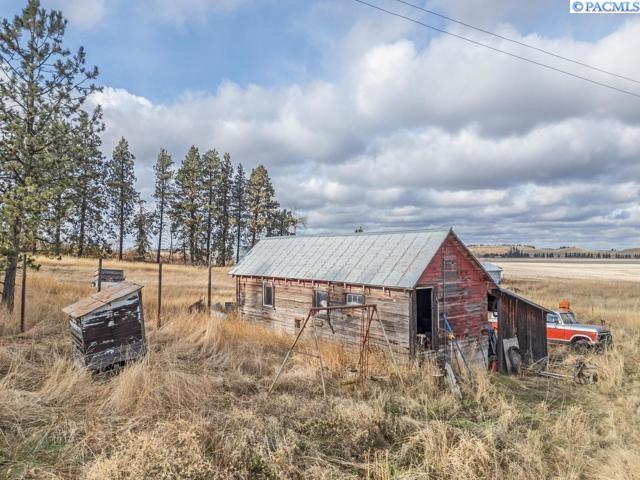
581, 346
515, 357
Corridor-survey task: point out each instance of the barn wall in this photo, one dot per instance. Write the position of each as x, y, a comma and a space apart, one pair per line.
293, 300
518, 318
466, 288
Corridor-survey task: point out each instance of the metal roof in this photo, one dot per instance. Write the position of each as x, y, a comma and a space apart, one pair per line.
491, 267
386, 259
101, 298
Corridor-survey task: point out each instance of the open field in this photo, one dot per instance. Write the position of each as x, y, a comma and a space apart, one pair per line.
612, 270
196, 407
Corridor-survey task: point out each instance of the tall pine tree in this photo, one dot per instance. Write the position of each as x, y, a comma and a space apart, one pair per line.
42, 83
260, 203
162, 193
142, 225
210, 170
90, 229
121, 180
239, 207
187, 207
224, 187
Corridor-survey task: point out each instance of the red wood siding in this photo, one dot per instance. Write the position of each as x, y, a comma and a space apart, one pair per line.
466, 287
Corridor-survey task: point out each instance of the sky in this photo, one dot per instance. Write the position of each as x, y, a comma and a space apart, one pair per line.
363, 119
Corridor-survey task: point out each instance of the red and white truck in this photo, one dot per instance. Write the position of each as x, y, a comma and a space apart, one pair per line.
563, 328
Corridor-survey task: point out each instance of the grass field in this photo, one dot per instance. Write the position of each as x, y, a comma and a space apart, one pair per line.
196, 407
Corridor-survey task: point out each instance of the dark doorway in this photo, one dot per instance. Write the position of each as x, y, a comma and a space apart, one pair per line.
423, 312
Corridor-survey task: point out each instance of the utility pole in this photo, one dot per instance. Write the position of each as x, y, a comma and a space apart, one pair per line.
99, 273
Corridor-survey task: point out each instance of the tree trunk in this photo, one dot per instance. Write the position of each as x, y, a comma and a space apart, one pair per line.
161, 225
238, 239
12, 268
121, 231
83, 219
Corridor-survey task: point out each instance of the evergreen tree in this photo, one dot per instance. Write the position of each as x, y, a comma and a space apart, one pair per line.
187, 207
260, 203
142, 224
42, 84
121, 180
90, 229
162, 193
210, 169
283, 222
238, 206
224, 186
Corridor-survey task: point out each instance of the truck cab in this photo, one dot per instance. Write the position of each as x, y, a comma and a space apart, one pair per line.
564, 328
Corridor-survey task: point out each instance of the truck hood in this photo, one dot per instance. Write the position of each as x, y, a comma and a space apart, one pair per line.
586, 327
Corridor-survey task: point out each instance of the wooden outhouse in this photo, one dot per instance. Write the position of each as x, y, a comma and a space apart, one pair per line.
108, 277
416, 279
107, 328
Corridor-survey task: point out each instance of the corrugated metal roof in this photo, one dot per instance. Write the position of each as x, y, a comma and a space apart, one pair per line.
491, 267
388, 259
100, 299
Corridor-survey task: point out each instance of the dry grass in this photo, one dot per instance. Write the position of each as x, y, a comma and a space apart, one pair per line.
196, 407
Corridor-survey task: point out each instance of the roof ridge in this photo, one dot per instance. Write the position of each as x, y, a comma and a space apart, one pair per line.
362, 234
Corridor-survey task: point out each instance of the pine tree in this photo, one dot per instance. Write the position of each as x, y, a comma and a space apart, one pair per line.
187, 207
224, 186
260, 202
121, 180
142, 224
210, 169
42, 84
163, 192
239, 206
90, 229
283, 222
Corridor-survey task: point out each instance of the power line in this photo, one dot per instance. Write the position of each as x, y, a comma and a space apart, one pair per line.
534, 62
517, 42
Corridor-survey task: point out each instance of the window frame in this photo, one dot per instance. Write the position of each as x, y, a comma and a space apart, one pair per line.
265, 285
346, 298
316, 291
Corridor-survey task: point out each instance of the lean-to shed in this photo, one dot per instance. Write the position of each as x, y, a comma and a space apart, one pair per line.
527, 321
107, 328
414, 278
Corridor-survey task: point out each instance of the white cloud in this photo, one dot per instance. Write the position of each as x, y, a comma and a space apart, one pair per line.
83, 14
409, 136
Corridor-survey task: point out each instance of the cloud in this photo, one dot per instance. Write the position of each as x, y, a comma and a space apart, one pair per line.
83, 14
183, 11
404, 135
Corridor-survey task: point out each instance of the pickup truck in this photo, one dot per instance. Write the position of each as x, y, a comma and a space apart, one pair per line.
563, 328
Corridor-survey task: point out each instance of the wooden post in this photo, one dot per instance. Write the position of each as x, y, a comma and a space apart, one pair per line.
99, 273
24, 292
159, 318
209, 288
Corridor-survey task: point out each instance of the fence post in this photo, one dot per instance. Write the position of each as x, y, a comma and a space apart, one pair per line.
99, 273
159, 318
24, 292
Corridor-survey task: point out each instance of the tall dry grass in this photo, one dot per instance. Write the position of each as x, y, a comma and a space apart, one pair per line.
196, 406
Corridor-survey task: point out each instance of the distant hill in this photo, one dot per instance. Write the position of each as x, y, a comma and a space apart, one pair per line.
529, 251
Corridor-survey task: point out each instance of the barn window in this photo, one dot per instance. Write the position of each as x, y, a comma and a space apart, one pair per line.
320, 298
267, 294
354, 299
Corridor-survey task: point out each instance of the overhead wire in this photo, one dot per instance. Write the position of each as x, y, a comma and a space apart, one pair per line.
505, 52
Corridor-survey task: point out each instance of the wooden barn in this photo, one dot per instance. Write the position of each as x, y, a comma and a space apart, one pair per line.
107, 328
414, 278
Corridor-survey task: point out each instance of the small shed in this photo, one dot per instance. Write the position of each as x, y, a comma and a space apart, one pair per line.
108, 277
494, 270
524, 319
107, 328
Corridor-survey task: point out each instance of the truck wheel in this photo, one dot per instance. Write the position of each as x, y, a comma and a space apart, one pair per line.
515, 357
580, 346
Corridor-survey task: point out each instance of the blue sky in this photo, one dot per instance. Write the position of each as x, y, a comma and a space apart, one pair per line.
364, 119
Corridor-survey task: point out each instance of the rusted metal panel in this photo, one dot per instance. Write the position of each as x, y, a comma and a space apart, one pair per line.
524, 319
